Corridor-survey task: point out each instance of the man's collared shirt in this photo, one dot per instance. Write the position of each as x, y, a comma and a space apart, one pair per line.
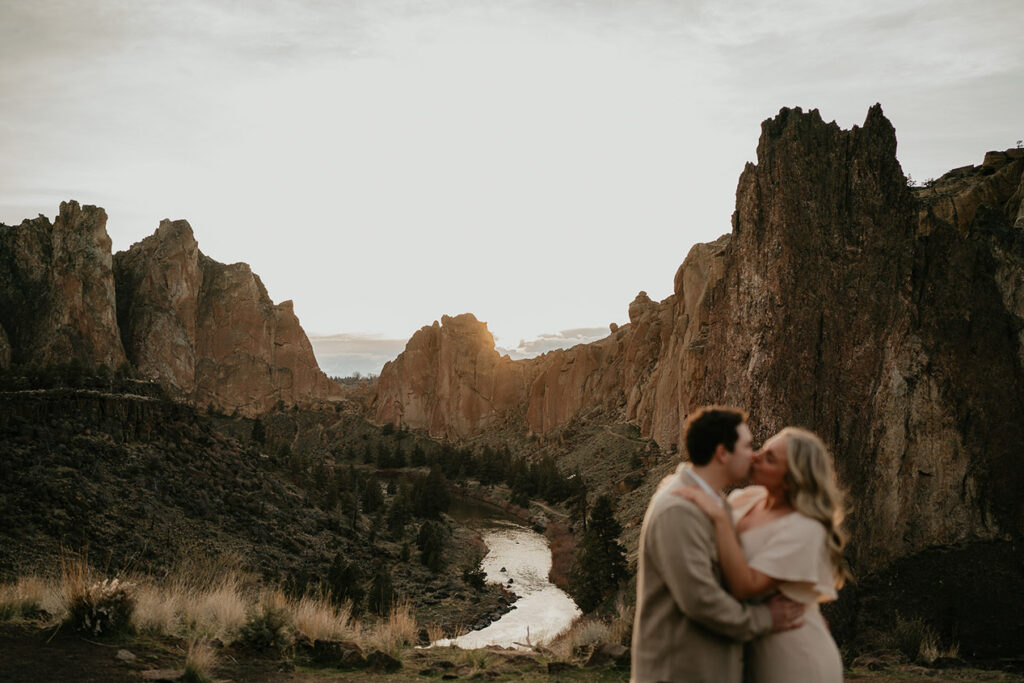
707, 488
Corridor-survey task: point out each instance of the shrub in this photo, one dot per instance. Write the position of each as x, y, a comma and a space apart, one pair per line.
268, 627
345, 583
473, 573
584, 632
914, 638
103, 608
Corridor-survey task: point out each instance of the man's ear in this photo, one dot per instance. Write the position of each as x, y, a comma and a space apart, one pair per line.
720, 454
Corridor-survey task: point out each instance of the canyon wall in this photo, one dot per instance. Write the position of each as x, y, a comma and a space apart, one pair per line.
888, 319
57, 291
208, 332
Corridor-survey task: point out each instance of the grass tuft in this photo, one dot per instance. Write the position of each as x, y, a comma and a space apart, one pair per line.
583, 632
916, 639
395, 633
199, 662
319, 619
28, 598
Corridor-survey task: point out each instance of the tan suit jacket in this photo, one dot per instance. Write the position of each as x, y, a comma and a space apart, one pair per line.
687, 628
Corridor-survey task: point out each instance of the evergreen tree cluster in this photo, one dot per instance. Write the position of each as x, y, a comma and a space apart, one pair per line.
370, 494
600, 565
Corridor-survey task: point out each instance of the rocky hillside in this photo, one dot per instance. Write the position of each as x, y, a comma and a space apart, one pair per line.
207, 331
889, 319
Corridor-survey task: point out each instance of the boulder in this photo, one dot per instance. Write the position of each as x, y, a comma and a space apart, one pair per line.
382, 662
608, 654
337, 654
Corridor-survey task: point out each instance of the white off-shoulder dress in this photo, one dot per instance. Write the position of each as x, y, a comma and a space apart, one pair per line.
793, 550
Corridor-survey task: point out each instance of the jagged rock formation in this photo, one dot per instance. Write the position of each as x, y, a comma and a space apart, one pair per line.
886, 318
57, 291
207, 331
450, 380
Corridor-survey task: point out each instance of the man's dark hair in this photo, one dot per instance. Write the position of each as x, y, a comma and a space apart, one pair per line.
710, 426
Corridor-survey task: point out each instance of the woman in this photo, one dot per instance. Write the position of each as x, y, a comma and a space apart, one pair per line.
788, 524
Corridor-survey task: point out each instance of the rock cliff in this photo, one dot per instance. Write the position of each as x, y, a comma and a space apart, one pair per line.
57, 291
451, 381
887, 318
207, 331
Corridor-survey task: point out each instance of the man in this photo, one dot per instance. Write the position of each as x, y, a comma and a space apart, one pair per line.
688, 628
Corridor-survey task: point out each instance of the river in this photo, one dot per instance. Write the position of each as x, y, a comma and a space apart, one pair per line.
517, 553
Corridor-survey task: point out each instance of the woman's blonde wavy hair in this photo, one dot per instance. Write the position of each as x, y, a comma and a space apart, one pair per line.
813, 491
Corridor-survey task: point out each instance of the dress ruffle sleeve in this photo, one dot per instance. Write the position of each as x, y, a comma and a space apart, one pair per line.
796, 553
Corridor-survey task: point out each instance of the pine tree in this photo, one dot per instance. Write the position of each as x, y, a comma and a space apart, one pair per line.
382, 591
578, 500
430, 495
372, 498
431, 541
345, 581
601, 561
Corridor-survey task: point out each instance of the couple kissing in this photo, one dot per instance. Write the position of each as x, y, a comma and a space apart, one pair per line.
717, 572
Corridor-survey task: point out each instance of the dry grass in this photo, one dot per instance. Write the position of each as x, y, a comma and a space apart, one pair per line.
318, 619
916, 639
201, 601
199, 662
620, 628
477, 660
583, 632
216, 612
435, 632
157, 611
100, 607
29, 597
395, 633
183, 607
75, 577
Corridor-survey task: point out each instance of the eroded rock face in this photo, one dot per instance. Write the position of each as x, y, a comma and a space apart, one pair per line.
889, 320
158, 284
451, 381
57, 290
5, 350
210, 330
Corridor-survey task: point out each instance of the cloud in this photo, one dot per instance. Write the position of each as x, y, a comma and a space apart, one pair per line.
528, 348
341, 355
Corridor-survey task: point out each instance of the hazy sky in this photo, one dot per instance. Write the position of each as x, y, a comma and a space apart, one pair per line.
534, 162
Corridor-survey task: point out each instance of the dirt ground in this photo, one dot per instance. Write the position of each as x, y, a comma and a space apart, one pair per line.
28, 653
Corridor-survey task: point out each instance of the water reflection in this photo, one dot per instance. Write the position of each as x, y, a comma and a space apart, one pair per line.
522, 556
